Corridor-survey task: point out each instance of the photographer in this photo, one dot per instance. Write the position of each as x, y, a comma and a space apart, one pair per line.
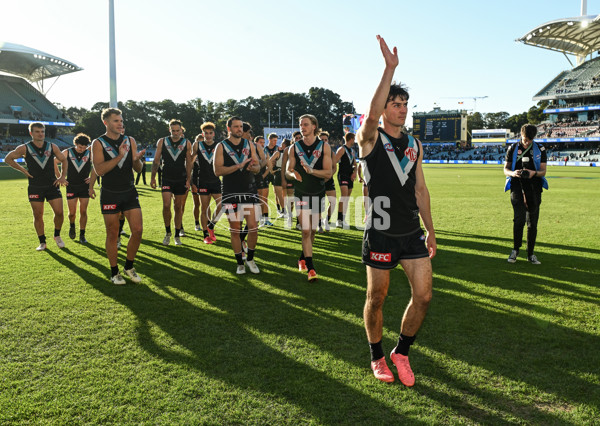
525, 168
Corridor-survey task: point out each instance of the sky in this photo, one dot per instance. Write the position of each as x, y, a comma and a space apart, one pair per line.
233, 49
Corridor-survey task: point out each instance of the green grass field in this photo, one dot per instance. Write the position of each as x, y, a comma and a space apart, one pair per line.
194, 343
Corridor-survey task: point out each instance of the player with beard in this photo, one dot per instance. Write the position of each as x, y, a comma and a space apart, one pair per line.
236, 161
114, 155
174, 152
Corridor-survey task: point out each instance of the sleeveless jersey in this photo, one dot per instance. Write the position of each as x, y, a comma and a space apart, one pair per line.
173, 157
79, 167
269, 152
311, 156
40, 164
390, 173
240, 181
120, 178
204, 160
347, 162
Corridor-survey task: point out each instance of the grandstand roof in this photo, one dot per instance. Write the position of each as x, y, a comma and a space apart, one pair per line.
578, 36
32, 64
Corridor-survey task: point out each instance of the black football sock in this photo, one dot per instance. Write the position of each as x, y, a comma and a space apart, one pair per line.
168, 229
238, 258
114, 270
309, 263
128, 264
376, 351
42, 239
250, 255
57, 232
404, 343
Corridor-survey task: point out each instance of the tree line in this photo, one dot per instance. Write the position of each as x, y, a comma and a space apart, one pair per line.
503, 120
147, 120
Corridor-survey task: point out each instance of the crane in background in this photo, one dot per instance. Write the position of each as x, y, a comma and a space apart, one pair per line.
467, 97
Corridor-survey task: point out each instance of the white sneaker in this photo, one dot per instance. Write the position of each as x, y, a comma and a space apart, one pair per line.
132, 275
339, 224
177, 241
41, 247
280, 215
252, 266
117, 279
534, 260
326, 225
59, 242
345, 225
181, 233
241, 270
167, 239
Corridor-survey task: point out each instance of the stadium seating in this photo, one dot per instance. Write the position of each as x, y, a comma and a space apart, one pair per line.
582, 80
34, 106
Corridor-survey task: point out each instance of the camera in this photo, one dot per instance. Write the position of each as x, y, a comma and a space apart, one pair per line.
525, 173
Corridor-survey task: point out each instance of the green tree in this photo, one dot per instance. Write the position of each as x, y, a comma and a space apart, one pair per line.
536, 115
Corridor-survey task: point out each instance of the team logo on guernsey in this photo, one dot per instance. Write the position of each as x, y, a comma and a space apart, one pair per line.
411, 153
111, 152
41, 159
109, 206
174, 151
403, 166
208, 156
307, 161
237, 159
77, 163
380, 257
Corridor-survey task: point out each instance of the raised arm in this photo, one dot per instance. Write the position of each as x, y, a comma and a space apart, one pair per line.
367, 134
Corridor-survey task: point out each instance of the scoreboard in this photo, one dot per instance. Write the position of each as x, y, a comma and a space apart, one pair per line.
445, 127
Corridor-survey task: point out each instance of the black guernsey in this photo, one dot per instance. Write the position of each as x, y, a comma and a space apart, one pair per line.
390, 173
347, 162
240, 181
120, 178
313, 156
204, 161
79, 167
40, 164
173, 157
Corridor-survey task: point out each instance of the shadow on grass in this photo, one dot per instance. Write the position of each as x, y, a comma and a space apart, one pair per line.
255, 332
225, 333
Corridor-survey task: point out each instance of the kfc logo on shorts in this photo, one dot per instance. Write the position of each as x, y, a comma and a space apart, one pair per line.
344, 182
203, 190
230, 206
34, 196
381, 257
109, 207
166, 187
411, 154
70, 194
302, 203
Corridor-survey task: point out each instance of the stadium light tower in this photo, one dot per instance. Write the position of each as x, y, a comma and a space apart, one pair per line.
112, 56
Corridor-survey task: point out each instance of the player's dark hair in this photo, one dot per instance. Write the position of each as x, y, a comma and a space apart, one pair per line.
286, 143
349, 136
324, 132
397, 90
273, 135
82, 139
246, 127
232, 119
529, 130
296, 133
259, 137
